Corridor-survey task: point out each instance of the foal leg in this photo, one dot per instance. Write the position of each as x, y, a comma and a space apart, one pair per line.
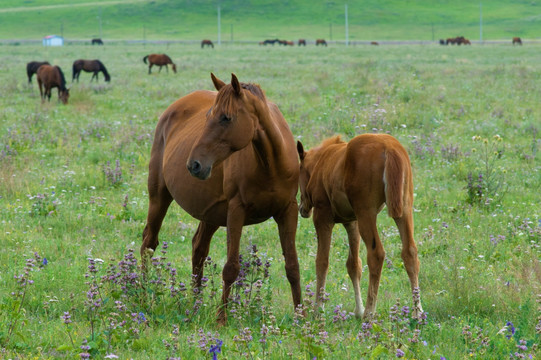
375, 254
324, 224
287, 228
409, 257
200, 249
235, 221
354, 265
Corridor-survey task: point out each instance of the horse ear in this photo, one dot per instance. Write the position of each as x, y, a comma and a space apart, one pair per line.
235, 83
300, 150
218, 84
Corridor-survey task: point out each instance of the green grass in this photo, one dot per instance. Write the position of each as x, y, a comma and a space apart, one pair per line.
257, 20
56, 200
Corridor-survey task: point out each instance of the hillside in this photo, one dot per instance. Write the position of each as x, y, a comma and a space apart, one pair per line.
254, 20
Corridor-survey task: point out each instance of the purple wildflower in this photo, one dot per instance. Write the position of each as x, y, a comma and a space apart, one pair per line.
511, 329
399, 353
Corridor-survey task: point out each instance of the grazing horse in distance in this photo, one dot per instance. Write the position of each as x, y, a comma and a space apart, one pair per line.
302, 42
451, 41
321, 42
207, 43
271, 42
159, 60
349, 183
97, 41
93, 66
32, 67
228, 159
374, 43
442, 42
517, 40
50, 77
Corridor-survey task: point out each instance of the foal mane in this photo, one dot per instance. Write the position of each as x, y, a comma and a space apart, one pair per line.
227, 93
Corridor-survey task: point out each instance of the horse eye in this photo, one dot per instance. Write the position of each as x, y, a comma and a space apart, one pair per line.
225, 119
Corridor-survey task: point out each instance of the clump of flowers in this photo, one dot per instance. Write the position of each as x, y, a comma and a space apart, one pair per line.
486, 184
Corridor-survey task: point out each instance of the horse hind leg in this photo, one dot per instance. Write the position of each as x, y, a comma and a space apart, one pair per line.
354, 265
410, 258
375, 254
200, 249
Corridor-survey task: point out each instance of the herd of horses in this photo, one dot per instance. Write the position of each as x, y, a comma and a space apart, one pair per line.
229, 159
461, 40
49, 77
301, 42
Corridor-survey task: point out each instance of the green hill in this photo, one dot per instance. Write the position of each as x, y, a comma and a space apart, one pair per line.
254, 20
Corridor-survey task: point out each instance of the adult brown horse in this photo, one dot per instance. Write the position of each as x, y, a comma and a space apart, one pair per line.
32, 67
159, 60
517, 40
349, 183
321, 42
302, 42
228, 159
50, 77
207, 43
93, 66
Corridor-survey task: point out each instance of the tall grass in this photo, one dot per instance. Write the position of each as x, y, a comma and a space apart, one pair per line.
73, 204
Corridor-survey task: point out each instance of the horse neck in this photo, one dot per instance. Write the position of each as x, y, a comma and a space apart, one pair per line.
270, 142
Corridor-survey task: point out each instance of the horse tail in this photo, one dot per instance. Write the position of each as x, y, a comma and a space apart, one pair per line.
394, 178
104, 70
62, 79
145, 59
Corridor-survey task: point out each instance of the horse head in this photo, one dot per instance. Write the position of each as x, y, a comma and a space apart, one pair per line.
230, 126
305, 206
174, 67
64, 95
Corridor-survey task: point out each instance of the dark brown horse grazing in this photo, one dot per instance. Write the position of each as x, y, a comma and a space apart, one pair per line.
374, 43
159, 60
228, 159
50, 77
321, 42
302, 42
97, 41
32, 67
517, 40
207, 43
93, 66
349, 183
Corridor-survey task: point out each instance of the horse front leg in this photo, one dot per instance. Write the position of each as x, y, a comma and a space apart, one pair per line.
200, 249
354, 265
159, 201
235, 221
40, 85
323, 224
287, 228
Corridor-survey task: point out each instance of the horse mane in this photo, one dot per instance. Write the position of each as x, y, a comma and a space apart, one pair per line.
227, 93
102, 68
62, 78
332, 141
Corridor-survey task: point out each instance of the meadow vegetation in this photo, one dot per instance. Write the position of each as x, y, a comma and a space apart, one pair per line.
73, 203
256, 20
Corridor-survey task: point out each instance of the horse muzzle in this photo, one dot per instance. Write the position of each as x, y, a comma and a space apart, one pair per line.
197, 170
304, 211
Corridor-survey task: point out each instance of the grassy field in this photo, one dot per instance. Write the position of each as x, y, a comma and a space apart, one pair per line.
259, 19
73, 203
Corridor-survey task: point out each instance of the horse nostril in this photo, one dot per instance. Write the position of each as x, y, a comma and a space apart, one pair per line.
195, 167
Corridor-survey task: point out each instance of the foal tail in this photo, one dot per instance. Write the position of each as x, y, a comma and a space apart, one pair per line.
145, 59
396, 177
